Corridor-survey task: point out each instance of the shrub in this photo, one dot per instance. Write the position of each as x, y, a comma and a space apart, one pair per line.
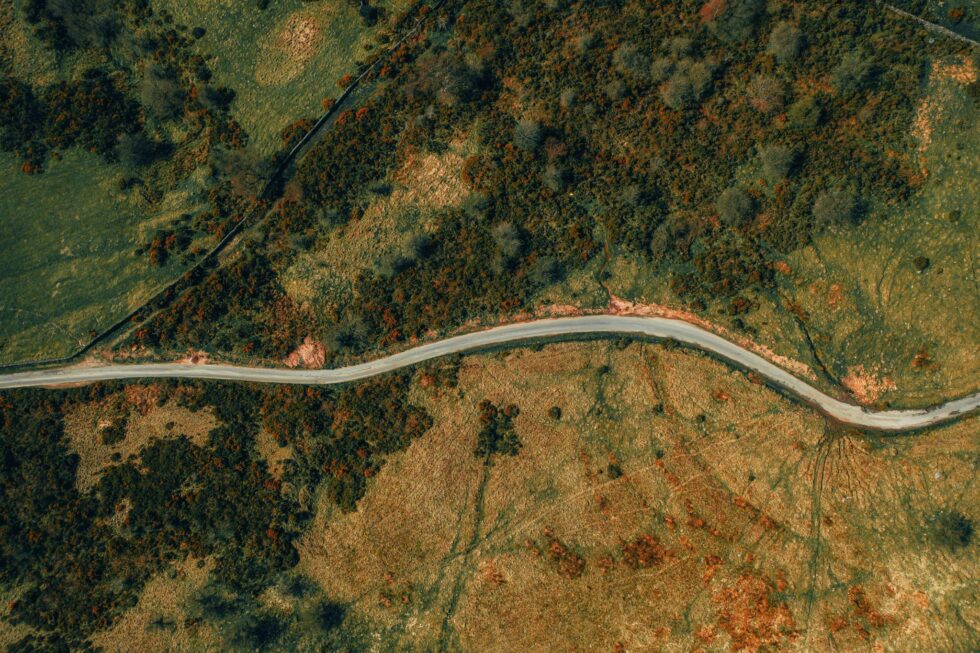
785, 42
834, 206
951, 529
527, 134
734, 206
777, 162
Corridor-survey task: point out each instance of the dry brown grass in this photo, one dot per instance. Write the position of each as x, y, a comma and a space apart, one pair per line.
730, 485
164, 597
146, 422
273, 454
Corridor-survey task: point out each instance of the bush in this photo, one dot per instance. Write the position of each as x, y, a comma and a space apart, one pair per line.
834, 206
785, 42
777, 162
951, 529
527, 134
734, 206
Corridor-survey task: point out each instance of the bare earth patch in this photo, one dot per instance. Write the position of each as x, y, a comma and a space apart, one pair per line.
310, 355
865, 384
283, 55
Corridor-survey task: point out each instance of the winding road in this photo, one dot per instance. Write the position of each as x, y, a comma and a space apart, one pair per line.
656, 327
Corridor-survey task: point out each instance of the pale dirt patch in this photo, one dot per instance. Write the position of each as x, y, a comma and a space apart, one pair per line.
284, 54
163, 598
866, 384
310, 355
147, 422
932, 107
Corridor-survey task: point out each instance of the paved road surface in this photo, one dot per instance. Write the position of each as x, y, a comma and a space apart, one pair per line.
683, 332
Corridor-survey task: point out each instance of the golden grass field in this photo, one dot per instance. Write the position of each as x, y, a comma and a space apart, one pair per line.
676, 505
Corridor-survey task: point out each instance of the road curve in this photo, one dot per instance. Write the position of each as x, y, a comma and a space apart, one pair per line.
657, 327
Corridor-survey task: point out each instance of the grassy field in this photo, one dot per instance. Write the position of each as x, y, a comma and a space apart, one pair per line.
282, 61
667, 528
67, 261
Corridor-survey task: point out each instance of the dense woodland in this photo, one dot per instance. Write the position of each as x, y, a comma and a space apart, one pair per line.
704, 140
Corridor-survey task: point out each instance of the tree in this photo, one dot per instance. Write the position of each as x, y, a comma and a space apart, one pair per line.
631, 62
508, 241
834, 206
527, 134
854, 71
546, 270
734, 206
738, 20
785, 42
160, 94
678, 93
777, 162
806, 113
137, 150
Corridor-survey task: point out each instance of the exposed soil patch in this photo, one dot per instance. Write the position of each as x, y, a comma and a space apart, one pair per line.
866, 385
310, 355
284, 55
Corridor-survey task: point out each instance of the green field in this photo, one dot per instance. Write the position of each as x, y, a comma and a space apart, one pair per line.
67, 261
